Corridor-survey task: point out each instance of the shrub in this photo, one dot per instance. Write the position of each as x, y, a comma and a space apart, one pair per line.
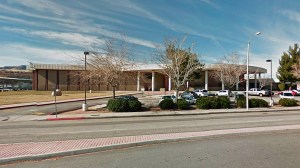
134, 105
213, 102
182, 104
224, 102
258, 103
123, 105
288, 102
281, 86
241, 102
203, 103
166, 104
118, 105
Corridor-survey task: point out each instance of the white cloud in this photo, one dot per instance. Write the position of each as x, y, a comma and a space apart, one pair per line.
292, 15
42, 5
74, 39
16, 54
209, 2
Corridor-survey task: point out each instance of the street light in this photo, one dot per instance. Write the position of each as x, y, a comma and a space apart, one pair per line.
247, 83
271, 101
85, 106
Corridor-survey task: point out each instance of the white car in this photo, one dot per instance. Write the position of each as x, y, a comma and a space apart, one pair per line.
201, 93
168, 97
286, 95
223, 93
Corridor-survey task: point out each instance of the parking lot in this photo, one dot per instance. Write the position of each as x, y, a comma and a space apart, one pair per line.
153, 100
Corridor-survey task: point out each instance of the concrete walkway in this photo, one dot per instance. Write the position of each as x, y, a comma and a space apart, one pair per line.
43, 150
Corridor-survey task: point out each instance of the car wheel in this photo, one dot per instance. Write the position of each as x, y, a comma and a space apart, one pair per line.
260, 95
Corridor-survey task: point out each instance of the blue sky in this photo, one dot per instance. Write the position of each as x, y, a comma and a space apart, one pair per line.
44, 31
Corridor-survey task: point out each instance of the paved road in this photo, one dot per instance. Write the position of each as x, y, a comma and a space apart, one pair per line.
36, 131
263, 150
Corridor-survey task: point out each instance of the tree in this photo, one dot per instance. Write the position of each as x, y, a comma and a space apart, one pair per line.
109, 64
228, 70
177, 62
289, 65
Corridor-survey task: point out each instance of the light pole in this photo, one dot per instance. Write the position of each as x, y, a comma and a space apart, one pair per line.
247, 83
85, 106
271, 101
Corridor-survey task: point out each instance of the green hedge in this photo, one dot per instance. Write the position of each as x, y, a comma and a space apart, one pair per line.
167, 104
288, 102
182, 104
241, 102
258, 103
122, 105
134, 105
213, 103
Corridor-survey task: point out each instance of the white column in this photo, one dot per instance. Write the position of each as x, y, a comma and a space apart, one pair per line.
255, 81
187, 85
222, 82
259, 78
138, 82
153, 81
237, 84
170, 84
206, 80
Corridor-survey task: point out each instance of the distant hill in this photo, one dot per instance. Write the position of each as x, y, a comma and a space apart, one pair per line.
20, 67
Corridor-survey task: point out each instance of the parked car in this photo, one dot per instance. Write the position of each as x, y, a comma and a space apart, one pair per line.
286, 95
188, 94
201, 92
190, 100
128, 97
296, 92
259, 92
168, 97
222, 93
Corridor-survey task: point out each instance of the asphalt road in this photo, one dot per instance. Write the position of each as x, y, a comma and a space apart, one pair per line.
267, 150
37, 131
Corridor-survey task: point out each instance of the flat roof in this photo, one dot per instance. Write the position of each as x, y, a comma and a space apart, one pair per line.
137, 67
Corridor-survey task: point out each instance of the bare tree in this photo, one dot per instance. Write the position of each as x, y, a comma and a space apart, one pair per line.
109, 65
177, 62
296, 69
229, 70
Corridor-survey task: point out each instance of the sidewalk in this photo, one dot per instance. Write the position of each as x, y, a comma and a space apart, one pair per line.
42, 150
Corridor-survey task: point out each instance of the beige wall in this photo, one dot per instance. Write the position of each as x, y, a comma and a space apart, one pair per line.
41, 80
52, 79
63, 80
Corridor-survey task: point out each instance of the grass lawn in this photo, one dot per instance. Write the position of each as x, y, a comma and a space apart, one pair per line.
15, 97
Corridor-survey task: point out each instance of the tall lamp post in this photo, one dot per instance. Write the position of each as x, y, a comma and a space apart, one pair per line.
271, 101
85, 106
247, 83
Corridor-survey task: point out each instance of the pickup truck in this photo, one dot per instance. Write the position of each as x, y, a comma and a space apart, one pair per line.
258, 92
